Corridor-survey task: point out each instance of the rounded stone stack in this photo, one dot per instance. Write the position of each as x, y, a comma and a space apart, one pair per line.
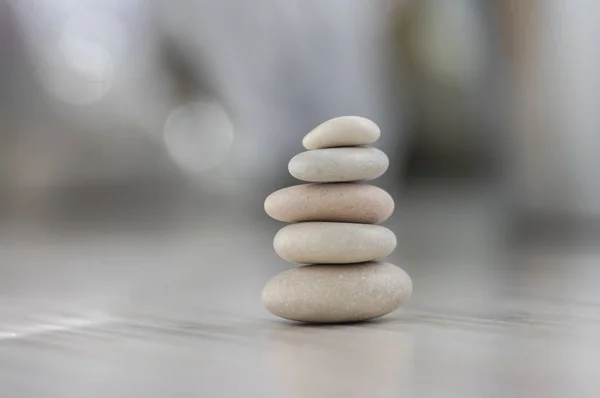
334, 230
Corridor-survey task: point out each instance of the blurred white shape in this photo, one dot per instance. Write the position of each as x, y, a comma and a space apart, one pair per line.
97, 26
71, 81
86, 58
79, 69
198, 135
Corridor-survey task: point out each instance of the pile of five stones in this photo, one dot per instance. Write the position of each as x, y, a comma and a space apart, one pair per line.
334, 230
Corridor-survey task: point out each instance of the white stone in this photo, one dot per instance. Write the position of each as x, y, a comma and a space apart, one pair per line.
333, 243
339, 164
342, 131
343, 202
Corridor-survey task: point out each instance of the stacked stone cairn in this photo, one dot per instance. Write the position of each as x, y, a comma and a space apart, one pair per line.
334, 231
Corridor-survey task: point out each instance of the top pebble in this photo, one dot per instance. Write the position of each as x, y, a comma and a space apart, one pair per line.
342, 131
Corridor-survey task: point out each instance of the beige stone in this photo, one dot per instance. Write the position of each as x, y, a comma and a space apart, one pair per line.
335, 294
339, 164
333, 242
342, 202
342, 131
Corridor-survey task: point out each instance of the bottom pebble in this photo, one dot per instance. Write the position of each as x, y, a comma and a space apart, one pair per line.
337, 293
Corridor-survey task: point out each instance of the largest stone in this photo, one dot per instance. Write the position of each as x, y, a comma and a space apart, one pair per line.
335, 294
343, 202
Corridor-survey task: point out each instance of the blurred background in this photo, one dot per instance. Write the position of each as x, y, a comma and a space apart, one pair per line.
146, 105
139, 139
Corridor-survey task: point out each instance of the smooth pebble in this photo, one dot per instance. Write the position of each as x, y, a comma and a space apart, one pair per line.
342, 202
342, 131
336, 294
339, 164
333, 242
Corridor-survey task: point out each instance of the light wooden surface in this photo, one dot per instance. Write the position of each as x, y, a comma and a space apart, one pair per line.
110, 314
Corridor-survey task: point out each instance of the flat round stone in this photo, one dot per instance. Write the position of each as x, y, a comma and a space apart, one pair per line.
342, 202
342, 131
339, 164
333, 242
335, 294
